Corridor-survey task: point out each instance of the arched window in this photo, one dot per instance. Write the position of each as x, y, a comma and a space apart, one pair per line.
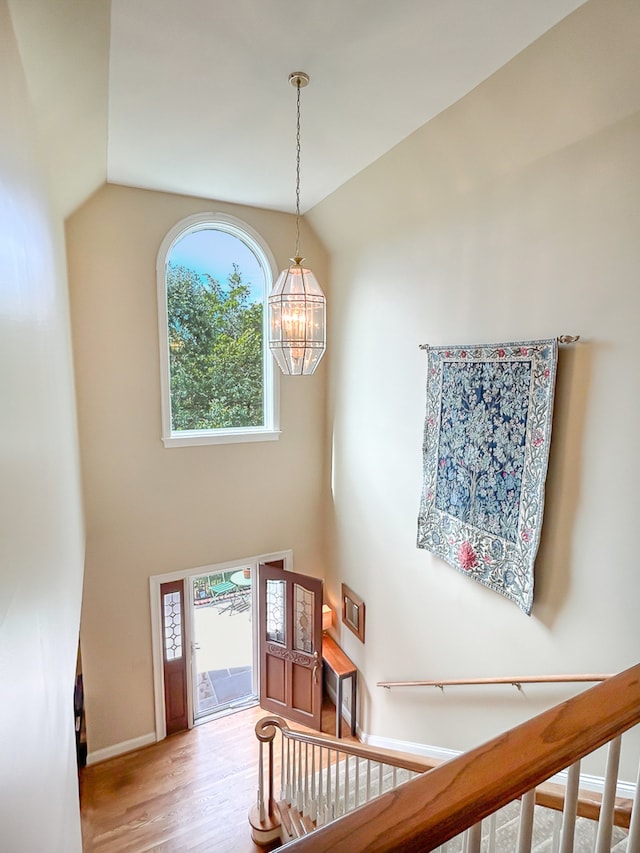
217, 376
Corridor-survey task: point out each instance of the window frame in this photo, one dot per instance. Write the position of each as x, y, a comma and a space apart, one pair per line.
270, 431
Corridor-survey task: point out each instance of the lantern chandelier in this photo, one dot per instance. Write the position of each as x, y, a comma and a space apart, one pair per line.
297, 307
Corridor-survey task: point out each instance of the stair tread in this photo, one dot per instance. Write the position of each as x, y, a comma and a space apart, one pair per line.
294, 824
308, 823
285, 821
297, 823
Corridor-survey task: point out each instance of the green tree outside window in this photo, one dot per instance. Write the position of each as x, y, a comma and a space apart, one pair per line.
216, 349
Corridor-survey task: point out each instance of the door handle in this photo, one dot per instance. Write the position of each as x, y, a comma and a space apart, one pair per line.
316, 664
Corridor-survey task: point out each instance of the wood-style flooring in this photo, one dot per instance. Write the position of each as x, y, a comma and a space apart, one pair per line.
190, 793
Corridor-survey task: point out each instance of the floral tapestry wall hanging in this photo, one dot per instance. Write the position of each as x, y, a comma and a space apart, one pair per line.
486, 450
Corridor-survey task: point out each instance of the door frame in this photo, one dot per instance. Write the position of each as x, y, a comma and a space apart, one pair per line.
155, 581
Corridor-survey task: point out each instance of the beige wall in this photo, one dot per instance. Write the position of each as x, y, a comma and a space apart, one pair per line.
152, 510
513, 215
41, 544
64, 47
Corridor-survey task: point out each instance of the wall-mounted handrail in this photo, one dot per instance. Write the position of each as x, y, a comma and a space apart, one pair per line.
513, 680
428, 811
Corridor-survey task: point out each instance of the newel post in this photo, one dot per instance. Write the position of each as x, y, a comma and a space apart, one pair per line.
264, 816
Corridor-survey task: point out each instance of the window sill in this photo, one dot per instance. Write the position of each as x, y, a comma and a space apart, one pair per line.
197, 437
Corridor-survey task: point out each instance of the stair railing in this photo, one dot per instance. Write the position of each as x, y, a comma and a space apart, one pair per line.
321, 777
427, 812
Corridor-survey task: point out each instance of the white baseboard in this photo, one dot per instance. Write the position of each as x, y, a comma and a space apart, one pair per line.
120, 748
346, 712
594, 784
422, 749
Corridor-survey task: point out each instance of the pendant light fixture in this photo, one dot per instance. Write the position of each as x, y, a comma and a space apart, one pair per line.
297, 307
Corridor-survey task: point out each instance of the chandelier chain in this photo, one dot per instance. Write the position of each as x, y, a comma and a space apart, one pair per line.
297, 254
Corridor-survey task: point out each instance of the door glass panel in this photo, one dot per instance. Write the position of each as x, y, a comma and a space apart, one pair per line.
172, 626
303, 600
275, 610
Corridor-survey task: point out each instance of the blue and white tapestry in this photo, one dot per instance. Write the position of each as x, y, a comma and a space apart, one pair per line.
486, 449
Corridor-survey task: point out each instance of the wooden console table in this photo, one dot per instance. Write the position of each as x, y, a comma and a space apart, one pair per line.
342, 667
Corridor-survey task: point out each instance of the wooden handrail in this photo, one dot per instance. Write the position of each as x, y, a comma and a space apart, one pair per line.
426, 812
551, 795
266, 729
515, 680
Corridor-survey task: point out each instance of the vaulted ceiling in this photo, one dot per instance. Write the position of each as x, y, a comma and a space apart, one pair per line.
192, 96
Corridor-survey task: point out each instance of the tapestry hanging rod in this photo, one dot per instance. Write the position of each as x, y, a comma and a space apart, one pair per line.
562, 339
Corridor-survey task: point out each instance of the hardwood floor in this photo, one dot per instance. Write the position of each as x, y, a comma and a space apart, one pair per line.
190, 793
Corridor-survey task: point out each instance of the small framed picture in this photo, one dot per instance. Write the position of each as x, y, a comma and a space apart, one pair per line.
353, 612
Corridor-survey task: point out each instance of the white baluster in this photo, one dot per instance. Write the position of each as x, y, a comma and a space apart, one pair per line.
473, 838
633, 839
557, 828
300, 783
294, 774
305, 796
329, 802
320, 809
394, 778
327, 789
357, 782
283, 790
605, 824
346, 784
294, 746
336, 809
493, 822
368, 793
288, 784
380, 772
525, 829
570, 809
313, 806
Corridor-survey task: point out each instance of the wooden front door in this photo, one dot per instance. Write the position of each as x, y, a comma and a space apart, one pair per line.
174, 656
290, 631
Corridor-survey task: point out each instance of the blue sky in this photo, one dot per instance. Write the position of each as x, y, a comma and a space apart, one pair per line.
215, 252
